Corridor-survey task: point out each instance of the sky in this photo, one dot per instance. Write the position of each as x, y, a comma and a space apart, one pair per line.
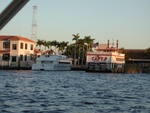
125, 20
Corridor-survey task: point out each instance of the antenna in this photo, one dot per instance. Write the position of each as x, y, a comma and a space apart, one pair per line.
34, 24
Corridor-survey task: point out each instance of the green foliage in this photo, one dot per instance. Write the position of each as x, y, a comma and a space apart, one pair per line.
76, 50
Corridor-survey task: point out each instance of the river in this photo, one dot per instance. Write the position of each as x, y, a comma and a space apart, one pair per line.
26, 91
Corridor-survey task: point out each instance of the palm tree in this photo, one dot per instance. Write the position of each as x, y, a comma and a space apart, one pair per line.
79, 47
54, 43
76, 37
45, 44
49, 44
62, 45
39, 43
70, 50
89, 42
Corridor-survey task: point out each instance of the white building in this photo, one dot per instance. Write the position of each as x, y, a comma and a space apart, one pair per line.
16, 51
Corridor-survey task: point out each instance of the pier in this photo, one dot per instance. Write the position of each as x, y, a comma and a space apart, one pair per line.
127, 68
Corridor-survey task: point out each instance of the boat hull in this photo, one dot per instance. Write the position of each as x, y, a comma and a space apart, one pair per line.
52, 62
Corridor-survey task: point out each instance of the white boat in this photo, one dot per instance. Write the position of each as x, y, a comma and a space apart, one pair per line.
52, 62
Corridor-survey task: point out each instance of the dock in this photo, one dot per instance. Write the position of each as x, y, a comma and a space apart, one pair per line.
126, 68
78, 68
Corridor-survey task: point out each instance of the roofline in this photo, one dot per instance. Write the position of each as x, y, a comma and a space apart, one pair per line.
18, 38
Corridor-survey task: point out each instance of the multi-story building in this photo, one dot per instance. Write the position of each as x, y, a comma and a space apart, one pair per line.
16, 51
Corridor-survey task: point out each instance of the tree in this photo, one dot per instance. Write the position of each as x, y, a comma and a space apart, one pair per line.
62, 45
70, 50
49, 44
89, 42
75, 37
39, 43
45, 44
82, 46
79, 45
122, 50
54, 43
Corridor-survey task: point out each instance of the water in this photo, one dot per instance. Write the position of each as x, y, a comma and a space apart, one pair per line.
73, 92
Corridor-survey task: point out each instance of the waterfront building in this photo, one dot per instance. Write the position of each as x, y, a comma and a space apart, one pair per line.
139, 57
16, 51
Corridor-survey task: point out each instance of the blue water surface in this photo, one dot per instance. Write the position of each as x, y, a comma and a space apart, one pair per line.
26, 91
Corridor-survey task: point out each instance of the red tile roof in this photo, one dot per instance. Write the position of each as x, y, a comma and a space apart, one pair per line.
4, 37
37, 51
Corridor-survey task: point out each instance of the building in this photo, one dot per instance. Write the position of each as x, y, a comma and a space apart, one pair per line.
16, 52
140, 57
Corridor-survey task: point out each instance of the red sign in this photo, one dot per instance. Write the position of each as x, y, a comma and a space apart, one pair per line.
99, 58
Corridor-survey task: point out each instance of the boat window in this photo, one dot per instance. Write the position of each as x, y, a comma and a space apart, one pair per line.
42, 61
48, 62
64, 62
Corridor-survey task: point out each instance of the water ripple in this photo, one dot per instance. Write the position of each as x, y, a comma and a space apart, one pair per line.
73, 92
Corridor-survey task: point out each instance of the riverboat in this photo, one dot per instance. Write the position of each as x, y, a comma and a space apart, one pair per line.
52, 62
106, 58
